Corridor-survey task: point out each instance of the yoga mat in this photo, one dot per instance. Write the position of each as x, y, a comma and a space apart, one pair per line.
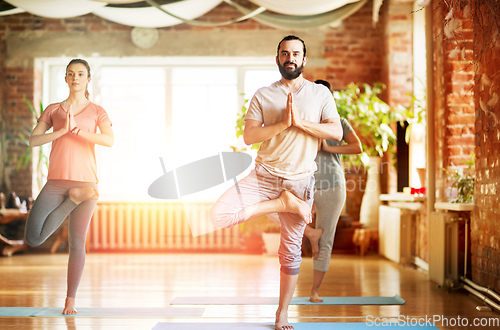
396, 300
101, 312
297, 326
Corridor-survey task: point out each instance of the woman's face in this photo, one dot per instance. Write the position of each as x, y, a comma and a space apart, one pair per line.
77, 77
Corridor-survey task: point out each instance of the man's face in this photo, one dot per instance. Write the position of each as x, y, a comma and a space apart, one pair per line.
290, 59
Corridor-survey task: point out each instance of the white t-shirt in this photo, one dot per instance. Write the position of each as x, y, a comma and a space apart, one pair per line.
291, 153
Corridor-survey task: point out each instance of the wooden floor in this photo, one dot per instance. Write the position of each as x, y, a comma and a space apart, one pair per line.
153, 280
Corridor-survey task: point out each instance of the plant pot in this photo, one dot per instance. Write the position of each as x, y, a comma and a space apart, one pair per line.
271, 243
252, 244
368, 214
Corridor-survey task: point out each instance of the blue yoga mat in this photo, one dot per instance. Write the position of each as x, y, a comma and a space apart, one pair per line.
395, 300
297, 326
102, 312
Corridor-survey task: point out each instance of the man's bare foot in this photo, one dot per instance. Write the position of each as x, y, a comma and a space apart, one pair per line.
315, 296
314, 234
79, 195
69, 306
293, 204
282, 321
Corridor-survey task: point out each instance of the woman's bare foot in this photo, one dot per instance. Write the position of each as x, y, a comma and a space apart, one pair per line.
9, 250
314, 234
69, 306
282, 321
315, 296
293, 204
79, 195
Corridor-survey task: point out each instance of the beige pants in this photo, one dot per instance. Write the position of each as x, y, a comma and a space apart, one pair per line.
260, 186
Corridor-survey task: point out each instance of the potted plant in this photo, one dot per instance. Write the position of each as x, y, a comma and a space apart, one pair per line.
462, 183
21, 135
261, 231
240, 127
251, 235
371, 117
271, 237
3, 151
251, 231
39, 155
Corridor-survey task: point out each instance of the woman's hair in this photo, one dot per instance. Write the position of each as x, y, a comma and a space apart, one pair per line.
324, 83
80, 61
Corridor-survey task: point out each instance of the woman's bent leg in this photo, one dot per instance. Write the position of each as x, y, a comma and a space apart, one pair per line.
50, 209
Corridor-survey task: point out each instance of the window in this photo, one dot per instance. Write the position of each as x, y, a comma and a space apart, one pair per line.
180, 109
417, 157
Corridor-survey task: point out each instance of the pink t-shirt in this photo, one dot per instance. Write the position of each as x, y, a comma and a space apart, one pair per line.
72, 157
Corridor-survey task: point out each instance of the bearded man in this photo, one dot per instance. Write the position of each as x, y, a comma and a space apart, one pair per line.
288, 117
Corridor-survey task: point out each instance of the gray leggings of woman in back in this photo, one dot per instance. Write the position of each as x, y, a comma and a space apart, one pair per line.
48, 212
329, 204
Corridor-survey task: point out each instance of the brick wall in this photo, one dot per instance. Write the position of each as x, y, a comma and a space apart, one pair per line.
353, 50
19, 83
485, 222
454, 98
462, 126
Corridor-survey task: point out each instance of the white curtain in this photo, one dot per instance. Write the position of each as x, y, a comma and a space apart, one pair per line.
282, 14
12, 11
152, 17
57, 8
302, 7
304, 22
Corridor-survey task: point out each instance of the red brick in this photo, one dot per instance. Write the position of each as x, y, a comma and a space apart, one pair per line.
461, 119
98, 28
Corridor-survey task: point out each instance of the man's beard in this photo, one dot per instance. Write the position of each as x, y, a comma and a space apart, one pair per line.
289, 74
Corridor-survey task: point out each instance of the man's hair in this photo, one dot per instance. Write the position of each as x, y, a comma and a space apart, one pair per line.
291, 37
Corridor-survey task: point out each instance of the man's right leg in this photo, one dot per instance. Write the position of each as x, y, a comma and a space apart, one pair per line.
259, 196
287, 287
290, 250
292, 229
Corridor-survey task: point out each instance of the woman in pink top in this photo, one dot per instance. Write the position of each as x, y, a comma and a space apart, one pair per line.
71, 187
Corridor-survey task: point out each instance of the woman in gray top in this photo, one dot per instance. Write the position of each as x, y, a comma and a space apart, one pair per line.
329, 199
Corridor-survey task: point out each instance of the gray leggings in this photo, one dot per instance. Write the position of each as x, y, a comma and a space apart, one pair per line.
48, 212
329, 204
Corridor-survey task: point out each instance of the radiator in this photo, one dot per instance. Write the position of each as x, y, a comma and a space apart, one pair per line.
395, 234
445, 257
157, 227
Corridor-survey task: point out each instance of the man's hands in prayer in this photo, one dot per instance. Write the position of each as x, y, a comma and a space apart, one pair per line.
291, 117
